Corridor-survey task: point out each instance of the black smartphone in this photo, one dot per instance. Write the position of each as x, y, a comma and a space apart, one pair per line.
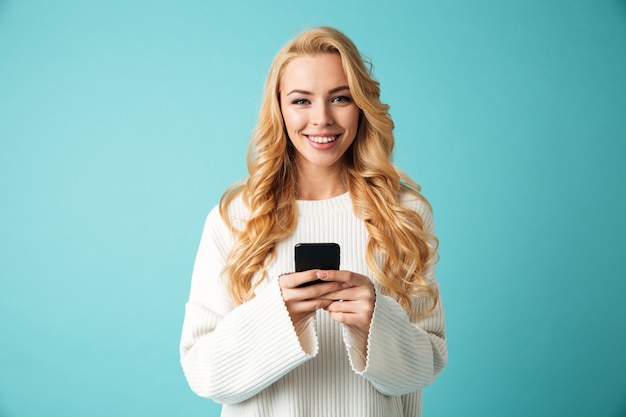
316, 256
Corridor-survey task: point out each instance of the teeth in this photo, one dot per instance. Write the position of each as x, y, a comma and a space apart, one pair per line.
322, 139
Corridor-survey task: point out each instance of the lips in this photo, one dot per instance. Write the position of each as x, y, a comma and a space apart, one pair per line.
322, 139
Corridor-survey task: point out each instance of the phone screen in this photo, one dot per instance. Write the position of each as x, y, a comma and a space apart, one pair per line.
316, 256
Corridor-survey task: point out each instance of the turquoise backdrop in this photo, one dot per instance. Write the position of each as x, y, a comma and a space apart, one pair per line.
121, 123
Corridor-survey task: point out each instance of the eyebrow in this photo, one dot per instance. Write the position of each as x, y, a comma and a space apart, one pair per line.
305, 92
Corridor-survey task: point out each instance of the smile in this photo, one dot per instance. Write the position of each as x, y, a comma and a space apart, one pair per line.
322, 139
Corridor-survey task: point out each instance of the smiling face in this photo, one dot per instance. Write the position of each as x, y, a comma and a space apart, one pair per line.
320, 116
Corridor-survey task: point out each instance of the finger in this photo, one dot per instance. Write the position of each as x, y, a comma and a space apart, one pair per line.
311, 292
351, 313
296, 279
349, 278
307, 306
362, 321
349, 307
363, 293
343, 294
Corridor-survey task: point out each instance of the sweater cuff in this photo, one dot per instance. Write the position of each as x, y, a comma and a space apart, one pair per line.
305, 330
356, 345
398, 359
270, 300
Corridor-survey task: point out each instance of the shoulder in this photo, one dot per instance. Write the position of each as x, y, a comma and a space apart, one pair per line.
231, 212
413, 200
221, 229
235, 209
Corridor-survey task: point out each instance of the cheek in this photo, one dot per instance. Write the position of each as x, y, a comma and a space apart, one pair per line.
293, 121
287, 118
353, 119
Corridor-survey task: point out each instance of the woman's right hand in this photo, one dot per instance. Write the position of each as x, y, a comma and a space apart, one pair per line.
301, 302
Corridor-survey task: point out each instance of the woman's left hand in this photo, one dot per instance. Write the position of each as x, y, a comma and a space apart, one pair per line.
354, 303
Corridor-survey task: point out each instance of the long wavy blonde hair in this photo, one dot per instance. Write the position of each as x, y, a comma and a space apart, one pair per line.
396, 234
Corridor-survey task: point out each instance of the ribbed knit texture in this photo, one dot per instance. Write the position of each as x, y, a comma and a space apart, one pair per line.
253, 360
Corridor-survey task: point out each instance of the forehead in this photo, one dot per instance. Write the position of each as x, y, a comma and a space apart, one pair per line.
314, 72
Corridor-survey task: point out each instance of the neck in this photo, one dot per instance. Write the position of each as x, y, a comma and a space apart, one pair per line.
321, 187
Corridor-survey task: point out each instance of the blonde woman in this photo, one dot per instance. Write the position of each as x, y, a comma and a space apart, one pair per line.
361, 341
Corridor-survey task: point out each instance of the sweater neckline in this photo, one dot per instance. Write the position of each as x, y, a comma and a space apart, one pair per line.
317, 207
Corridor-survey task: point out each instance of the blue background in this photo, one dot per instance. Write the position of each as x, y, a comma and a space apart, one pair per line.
122, 122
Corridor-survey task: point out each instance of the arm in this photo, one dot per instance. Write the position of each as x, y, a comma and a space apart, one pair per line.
400, 354
396, 354
230, 353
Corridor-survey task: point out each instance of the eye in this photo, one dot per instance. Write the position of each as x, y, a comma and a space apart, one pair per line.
342, 99
300, 101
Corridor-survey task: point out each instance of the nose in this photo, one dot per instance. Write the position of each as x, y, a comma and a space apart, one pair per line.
322, 115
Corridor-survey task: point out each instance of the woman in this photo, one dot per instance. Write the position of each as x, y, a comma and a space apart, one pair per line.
368, 337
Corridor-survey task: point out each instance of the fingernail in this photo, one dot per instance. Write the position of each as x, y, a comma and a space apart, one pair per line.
321, 275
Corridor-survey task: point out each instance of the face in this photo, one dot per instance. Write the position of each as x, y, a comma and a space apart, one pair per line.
319, 114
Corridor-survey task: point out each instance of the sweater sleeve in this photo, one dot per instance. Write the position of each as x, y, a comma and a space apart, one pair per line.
230, 353
397, 356
400, 354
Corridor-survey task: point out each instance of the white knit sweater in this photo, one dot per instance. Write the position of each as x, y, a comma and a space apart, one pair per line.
253, 360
